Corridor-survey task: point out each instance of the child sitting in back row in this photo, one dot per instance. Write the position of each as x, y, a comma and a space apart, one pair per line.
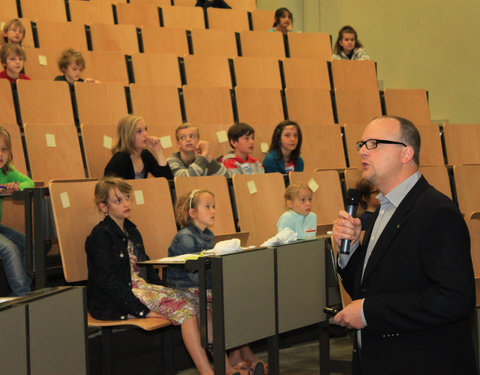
12, 57
241, 137
299, 218
71, 63
14, 31
348, 47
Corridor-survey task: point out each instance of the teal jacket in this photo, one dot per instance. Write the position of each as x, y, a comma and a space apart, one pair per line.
15, 176
304, 226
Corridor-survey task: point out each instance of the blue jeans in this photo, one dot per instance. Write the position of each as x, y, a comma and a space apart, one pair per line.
12, 252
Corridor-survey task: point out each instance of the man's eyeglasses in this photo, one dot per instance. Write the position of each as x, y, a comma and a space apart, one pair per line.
371, 144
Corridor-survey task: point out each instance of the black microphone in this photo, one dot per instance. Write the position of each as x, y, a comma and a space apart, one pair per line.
351, 205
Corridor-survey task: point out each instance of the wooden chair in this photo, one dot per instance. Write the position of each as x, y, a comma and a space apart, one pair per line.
156, 69
327, 199
160, 3
48, 10
249, 5
184, 3
355, 106
61, 35
100, 103
262, 44
106, 66
216, 136
97, 146
437, 176
7, 107
262, 20
45, 102
163, 40
322, 147
202, 70
119, 38
409, 103
138, 14
53, 152
352, 177
228, 19
310, 45
208, 105
88, 12
71, 196
467, 180
430, 153
214, 43
257, 72
183, 17
462, 143
8, 9
259, 106
42, 64
348, 74
309, 106
306, 74
158, 105
224, 223
260, 204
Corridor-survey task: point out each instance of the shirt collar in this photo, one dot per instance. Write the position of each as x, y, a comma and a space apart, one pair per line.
396, 196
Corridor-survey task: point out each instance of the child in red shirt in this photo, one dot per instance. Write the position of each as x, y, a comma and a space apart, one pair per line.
12, 57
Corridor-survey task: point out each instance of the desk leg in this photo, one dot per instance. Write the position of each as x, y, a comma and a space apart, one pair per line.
38, 250
273, 355
218, 317
324, 343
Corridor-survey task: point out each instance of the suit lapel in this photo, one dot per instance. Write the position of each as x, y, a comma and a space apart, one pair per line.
396, 222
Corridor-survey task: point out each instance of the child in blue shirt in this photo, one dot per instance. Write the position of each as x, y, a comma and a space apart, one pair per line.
299, 218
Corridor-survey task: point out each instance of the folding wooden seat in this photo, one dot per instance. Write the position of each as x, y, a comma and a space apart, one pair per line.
208, 105
162, 40
214, 43
120, 38
322, 147
156, 69
355, 106
431, 153
260, 204
48, 10
259, 107
202, 70
100, 103
249, 5
89, 12
185, 3
262, 44
61, 35
45, 102
97, 146
327, 197
309, 106
257, 72
262, 20
306, 73
183, 17
228, 19
53, 152
158, 105
106, 66
224, 223
8, 10
160, 3
411, 104
42, 64
348, 74
467, 181
310, 45
7, 107
138, 14
462, 143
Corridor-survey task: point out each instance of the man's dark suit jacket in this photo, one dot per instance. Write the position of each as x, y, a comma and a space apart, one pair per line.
419, 290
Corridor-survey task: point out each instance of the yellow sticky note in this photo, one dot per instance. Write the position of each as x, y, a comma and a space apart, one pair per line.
65, 200
252, 188
166, 141
42, 60
139, 197
107, 142
312, 184
222, 136
50, 140
264, 147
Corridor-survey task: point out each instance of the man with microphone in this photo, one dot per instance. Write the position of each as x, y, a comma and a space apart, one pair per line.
411, 280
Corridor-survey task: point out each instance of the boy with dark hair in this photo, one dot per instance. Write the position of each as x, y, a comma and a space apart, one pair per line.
241, 137
71, 63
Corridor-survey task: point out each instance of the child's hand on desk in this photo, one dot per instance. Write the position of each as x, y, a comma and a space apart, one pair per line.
10, 187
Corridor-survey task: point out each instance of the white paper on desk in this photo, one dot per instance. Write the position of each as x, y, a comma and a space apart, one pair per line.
179, 258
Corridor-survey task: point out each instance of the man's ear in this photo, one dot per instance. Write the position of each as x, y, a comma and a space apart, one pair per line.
407, 154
